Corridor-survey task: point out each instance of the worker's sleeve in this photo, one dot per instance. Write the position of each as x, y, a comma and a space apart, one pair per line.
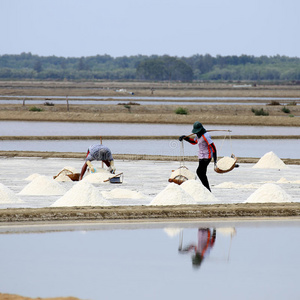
191, 141
214, 152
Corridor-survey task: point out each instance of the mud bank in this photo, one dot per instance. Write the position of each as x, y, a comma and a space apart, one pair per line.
147, 213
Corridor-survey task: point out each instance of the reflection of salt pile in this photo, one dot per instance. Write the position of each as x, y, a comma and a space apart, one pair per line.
97, 177
63, 174
82, 194
198, 191
7, 195
172, 232
269, 192
180, 175
122, 194
173, 194
225, 163
270, 161
43, 185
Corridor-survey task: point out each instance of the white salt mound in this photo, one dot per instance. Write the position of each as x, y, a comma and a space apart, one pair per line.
98, 177
82, 194
183, 172
270, 161
284, 180
271, 193
32, 176
119, 193
43, 185
173, 194
198, 191
62, 178
225, 163
7, 195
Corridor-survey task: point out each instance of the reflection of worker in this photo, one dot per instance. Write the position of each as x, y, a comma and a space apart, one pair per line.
207, 150
206, 240
98, 152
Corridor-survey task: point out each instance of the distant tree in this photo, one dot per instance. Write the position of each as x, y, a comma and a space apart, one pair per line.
38, 66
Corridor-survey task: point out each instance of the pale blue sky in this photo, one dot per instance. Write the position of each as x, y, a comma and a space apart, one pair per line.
75, 28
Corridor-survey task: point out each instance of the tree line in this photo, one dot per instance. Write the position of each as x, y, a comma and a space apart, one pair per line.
154, 67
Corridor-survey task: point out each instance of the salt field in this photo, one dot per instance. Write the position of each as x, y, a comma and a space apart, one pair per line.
31, 183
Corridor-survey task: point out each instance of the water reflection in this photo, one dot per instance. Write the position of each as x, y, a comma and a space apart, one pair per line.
205, 241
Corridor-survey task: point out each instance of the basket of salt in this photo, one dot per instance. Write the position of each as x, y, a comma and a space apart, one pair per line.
181, 175
226, 164
74, 176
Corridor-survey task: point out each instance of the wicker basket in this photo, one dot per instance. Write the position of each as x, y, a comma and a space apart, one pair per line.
220, 171
74, 176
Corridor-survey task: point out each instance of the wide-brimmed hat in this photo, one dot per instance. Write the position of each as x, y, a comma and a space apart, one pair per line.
197, 127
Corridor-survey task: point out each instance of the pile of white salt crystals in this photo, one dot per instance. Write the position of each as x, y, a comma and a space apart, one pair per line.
189, 192
225, 163
98, 177
269, 193
82, 194
173, 194
7, 195
43, 185
198, 191
270, 161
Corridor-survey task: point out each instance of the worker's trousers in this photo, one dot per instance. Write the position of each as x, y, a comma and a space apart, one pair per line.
201, 171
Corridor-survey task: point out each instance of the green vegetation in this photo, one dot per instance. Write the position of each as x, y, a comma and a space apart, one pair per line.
154, 67
181, 111
273, 102
49, 103
286, 110
260, 112
34, 108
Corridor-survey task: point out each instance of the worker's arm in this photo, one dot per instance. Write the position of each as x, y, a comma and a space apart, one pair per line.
188, 139
83, 169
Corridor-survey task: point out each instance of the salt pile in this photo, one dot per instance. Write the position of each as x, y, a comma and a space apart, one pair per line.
270, 161
173, 194
225, 163
284, 180
198, 191
32, 176
7, 195
82, 194
269, 192
119, 193
98, 177
43, 185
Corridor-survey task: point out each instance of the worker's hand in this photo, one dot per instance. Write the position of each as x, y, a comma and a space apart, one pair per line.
112, 169
181, 138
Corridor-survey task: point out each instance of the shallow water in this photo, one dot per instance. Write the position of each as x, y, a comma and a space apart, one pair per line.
27, 128
252, 260
241, 148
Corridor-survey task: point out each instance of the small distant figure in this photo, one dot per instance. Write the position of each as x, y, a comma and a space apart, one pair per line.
206, 240
98, 152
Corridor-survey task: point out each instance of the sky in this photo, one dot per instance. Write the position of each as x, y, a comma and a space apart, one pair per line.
76, 28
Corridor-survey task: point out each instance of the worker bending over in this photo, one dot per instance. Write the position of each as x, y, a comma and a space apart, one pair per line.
98, 152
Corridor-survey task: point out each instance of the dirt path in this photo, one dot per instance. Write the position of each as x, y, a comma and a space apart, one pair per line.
147, 213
